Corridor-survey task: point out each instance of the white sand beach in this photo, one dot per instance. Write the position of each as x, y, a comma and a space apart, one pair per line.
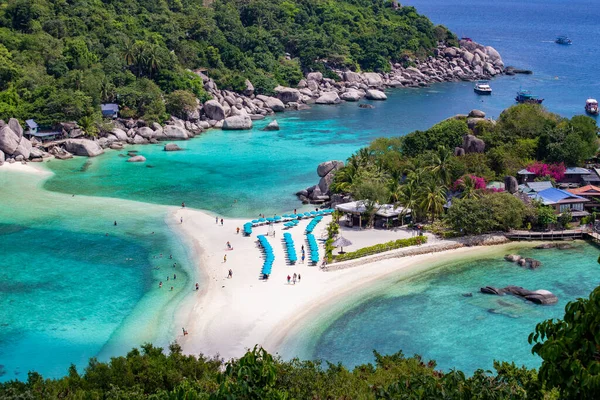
228, 316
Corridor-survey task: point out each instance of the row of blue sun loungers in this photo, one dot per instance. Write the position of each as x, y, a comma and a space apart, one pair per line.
291, 250
292, 223
313, 248
289, 217
311, 226
268, 254
248, 229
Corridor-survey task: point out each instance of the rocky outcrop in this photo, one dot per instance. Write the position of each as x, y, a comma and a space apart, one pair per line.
537, 296
320, 193
137, 159
351, 95
476, 114
288, 95
23, 149
249, 91
214, 110
172, 147
172, 132
273, 126
326, 167
373, 94
555, 245
15, 126
525, 262
472, 144
273, 103
328, 98
82, 147
9, 141
237, 122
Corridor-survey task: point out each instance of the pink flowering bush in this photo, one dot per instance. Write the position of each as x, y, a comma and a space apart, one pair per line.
478, 182
554, 171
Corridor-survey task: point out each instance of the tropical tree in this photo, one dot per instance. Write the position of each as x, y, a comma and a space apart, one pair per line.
440, 165
432, 198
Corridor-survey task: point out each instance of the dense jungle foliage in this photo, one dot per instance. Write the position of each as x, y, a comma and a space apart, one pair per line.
421, 172
59, 59
568, 348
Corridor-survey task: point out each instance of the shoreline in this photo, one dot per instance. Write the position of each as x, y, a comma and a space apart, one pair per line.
229, 316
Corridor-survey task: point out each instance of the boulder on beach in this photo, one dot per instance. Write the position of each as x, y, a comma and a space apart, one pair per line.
2, 157
373, 94
273, 126
16, 127
328, 98
289, 95
351, 95
83, 147
9, 141
237, 122
272, 102
172, 147
137, 159
23, 149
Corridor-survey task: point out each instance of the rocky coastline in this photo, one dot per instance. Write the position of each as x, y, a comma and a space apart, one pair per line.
229, 110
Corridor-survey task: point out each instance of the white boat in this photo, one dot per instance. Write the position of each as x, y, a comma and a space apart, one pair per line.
591, 106
482, 87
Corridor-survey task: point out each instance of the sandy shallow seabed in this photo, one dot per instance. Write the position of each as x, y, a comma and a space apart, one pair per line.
229, 316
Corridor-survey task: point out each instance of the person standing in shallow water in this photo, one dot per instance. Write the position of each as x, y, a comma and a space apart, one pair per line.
217, 220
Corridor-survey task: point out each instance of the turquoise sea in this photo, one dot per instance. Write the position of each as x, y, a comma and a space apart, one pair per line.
69, 292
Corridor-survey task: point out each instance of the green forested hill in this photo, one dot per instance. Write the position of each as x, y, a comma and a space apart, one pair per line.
60, 58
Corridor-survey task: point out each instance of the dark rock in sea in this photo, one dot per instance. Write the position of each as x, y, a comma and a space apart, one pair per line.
538, 296
554, 245
172, 147
512, 70
149, 166
273, 126
467, 294
363, 105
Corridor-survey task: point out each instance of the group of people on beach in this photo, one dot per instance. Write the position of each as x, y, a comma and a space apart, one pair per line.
294, 278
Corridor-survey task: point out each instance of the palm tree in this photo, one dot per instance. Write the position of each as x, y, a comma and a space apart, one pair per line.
469, 191
408, 197
344, 179
440, 165
139, 55
152, 58
129, 52
432, 198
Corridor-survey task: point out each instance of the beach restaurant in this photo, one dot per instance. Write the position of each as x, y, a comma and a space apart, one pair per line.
386, 215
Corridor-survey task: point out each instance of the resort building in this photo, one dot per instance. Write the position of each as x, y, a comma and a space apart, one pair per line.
574, 177
590, 192
386, 215
110, 110
33, 130
562, 201
534, 187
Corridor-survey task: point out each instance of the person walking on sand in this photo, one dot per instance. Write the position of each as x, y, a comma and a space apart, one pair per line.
299, 277
181, 220
229, 246
182, 204
288, 279
238, 230
184, 332
302, 257
217, 220
295, 277
230, 275
221, 221
225, 258
197, 286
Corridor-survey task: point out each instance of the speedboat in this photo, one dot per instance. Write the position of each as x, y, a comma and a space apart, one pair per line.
482, 87
563, 40
591, 106
525, 96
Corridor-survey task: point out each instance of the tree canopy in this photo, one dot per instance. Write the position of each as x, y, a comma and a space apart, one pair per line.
78, 54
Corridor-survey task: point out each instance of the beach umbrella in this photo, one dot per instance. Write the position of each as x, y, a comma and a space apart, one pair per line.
262, 220
255, 221
313, 213
270, 219
341, 242
277, 218
307, 214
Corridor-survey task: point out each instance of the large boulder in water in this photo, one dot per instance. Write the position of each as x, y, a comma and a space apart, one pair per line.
172, 147
328, 98
9, 141
492, 53
373, 94
351, 95
2, 157
120, 134
83, 147
326, 167
136, 159
273, 126
237, 122
325, 182
214, 110
16, 127
174, 132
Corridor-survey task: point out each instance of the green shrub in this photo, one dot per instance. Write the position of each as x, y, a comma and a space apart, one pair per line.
380, 248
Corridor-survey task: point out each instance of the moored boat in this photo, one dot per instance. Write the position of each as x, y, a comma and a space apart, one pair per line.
482, 87
563, 40
525, 96
591, 106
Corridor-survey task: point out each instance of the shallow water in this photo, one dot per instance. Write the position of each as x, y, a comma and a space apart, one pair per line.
428, 314
68, 291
